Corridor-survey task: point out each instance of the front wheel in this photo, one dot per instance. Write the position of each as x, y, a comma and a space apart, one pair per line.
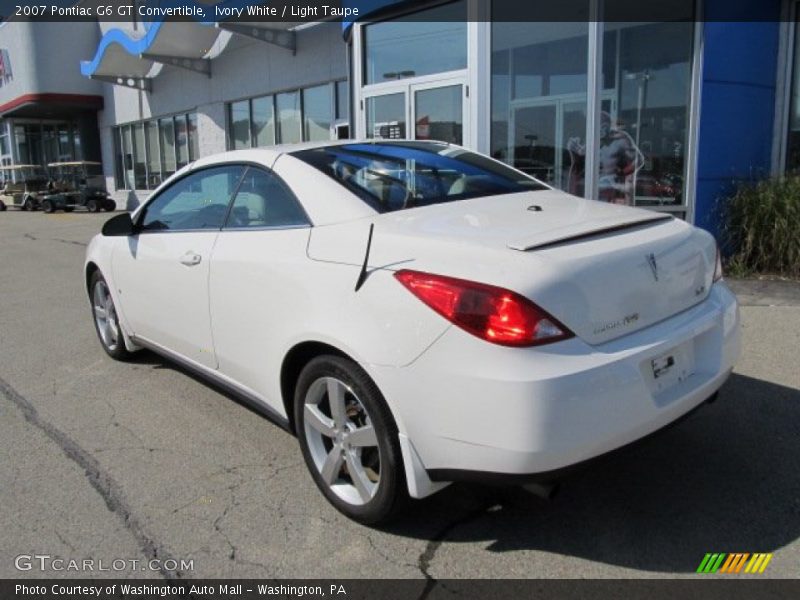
47, 206
92, 206
349, 440
2, 206
106, 322
28, 204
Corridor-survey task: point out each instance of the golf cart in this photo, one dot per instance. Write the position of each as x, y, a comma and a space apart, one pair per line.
78, 183
24, 187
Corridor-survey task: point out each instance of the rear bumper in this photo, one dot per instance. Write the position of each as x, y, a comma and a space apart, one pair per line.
472, 407
554, 476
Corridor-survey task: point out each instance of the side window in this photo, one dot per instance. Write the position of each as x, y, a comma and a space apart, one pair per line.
263, 200
198, 201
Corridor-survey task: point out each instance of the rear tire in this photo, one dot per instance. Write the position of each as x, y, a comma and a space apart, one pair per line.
2, 206
106, 321
47, 206
353, 451
92, 206
28, 204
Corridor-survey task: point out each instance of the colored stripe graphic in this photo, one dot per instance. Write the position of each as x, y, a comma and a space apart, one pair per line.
734, 562
711, 563
758, 563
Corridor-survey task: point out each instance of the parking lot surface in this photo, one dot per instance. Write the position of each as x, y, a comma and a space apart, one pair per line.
108, 460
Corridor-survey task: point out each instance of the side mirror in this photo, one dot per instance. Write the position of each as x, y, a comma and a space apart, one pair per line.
118, 226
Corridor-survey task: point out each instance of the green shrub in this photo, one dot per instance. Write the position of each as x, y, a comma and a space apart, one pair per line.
762, 228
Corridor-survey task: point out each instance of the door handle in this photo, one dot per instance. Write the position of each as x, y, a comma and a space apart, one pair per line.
191, 259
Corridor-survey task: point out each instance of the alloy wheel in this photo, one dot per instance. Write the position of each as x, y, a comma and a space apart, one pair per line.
105, 315
342, 441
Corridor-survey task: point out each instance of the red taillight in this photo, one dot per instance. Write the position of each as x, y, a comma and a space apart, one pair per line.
491, 313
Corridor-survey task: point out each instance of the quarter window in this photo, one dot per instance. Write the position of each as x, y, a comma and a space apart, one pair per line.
197, 201
263, 200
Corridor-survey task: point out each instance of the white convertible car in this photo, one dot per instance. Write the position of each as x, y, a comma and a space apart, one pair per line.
418, 313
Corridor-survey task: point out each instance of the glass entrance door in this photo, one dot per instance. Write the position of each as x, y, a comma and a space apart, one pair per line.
434, 110
547, 139
438, 113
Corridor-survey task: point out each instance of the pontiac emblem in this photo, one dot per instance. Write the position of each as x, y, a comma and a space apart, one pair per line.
651, 261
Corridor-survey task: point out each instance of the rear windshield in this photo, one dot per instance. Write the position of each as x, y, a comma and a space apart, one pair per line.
395, 176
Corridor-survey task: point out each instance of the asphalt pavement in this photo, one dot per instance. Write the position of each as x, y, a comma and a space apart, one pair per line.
140, 461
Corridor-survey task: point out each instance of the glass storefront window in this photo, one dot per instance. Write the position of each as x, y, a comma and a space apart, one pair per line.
645, 119
434, 41
263, 121
240, 124
78, 144
181, 141
139, 158
50, 139
540, 102
194, 142
65, 151
166, 138
153, 161
119, 175
539, 99
317, 113
386, 117
439, 114
147, 152
289, 123
342, 100
127, 154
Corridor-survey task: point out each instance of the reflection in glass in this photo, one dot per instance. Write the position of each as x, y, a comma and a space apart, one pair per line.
342, 100
153, 156
50, 140
127, 154
181, 141
439, 114
194, 144
539, 100
139, 170
644, 124
386, 116
119, 178
317, 113
65, 151
435, 41
240, 124
166, 138
263, 121
289, 123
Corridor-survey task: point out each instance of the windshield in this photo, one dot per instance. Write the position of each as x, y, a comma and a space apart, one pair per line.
395, 176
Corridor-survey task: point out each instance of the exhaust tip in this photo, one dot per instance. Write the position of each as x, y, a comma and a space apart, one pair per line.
546, 491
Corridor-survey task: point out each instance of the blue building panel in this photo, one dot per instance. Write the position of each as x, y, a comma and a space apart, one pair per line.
737, 112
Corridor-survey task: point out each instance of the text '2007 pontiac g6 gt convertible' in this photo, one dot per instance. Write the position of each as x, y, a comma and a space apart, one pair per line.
418, 313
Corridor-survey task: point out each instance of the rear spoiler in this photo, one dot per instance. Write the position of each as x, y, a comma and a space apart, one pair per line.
560, 237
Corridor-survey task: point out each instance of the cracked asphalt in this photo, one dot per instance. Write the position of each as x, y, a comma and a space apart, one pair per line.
107, 460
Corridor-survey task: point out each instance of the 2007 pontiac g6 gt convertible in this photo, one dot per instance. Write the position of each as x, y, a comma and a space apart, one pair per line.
418, 313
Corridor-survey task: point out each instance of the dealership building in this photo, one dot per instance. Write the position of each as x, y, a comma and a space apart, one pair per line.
668, 114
